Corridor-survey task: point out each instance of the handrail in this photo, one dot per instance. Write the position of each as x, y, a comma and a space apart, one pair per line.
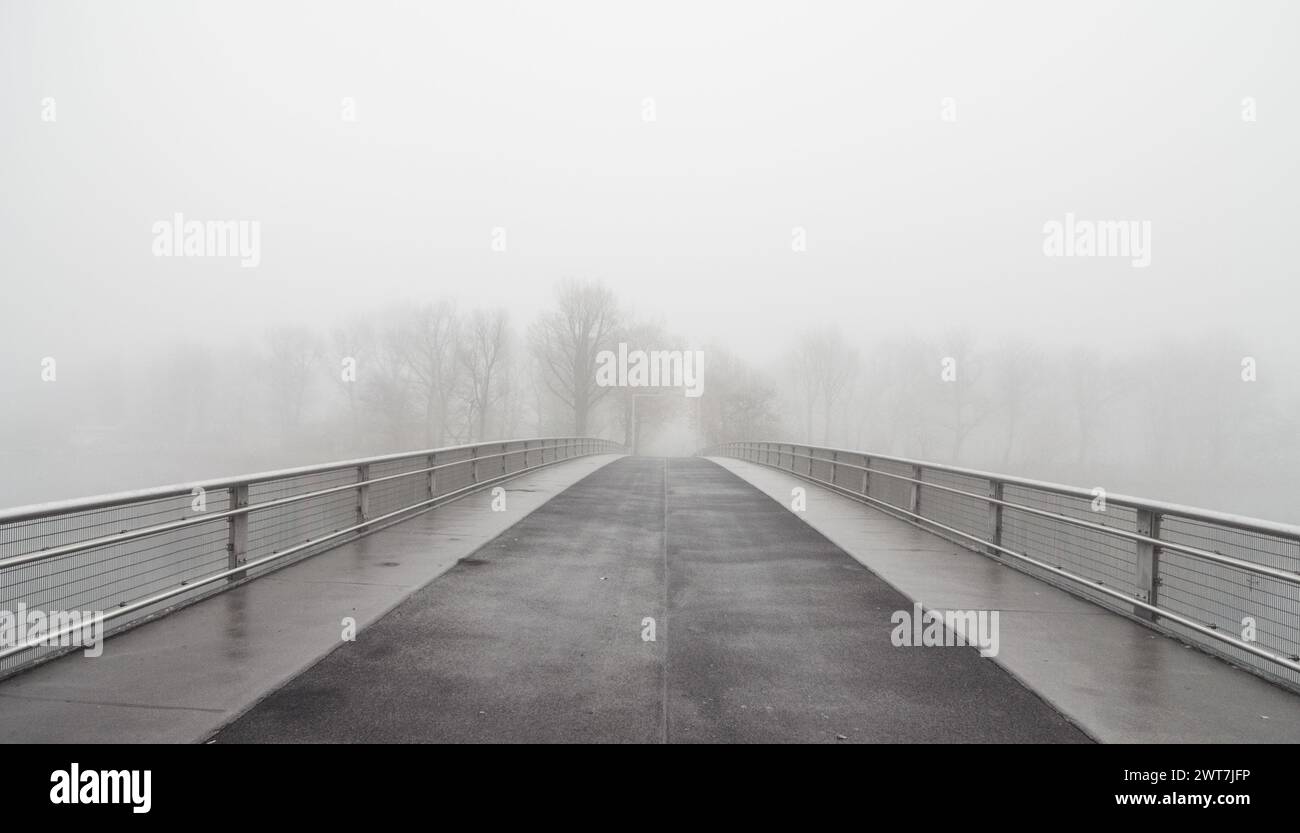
128, 573
1208, 595
1291, 577
208, 517
189, 586
1243, 522
38, 510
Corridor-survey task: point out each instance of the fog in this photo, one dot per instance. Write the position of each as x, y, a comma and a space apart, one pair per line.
830, 200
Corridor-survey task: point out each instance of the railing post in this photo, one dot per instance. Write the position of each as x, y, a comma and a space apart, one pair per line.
1148, 562
504, 458
810, 461
473, 465
363, 494
835, 456
995, 518
914, 499
866, 475
431, 463
237, 531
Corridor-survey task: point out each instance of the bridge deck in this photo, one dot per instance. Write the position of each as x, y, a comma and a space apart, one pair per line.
1121, 681
179, 678
765, 631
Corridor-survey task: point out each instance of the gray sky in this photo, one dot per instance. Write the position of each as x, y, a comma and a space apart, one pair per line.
768, 116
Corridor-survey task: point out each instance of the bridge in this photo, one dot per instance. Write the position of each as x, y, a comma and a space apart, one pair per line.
560, 590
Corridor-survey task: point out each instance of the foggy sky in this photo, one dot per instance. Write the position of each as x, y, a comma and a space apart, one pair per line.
768, 116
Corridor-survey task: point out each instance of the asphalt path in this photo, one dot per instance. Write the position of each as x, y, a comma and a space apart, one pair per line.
763, 631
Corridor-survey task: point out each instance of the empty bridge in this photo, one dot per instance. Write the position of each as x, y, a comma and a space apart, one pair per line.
557, 590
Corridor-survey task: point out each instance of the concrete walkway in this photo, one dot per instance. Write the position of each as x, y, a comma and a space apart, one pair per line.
1121, 682
764, 631
768, 626
179, 678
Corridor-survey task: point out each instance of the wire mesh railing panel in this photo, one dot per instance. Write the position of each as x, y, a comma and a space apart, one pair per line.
393, 494
891, 490
1092, 555
1227, 584
130, 556
104, 578
1259, 608
456, 470
944, 505
276, 529
817, 463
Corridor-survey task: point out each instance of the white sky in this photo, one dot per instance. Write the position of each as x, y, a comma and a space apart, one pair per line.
769, 116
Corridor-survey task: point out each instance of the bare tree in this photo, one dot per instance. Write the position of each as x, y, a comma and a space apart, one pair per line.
390, 390
482, 357
634, 406
428, 342
823, 367
567, 340
355, 341
739, 402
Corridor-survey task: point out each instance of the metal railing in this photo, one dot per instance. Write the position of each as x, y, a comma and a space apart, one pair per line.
1209, 578
135, 555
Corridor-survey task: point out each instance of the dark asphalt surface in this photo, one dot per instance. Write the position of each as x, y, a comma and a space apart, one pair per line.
765, 632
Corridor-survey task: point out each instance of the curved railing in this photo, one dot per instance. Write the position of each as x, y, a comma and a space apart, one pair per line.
132, 555
1226, 583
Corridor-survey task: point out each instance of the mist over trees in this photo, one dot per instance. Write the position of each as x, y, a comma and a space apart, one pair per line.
1186, 420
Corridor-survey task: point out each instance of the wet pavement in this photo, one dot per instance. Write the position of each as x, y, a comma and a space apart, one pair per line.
764, 631
1122, 682
177, 679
